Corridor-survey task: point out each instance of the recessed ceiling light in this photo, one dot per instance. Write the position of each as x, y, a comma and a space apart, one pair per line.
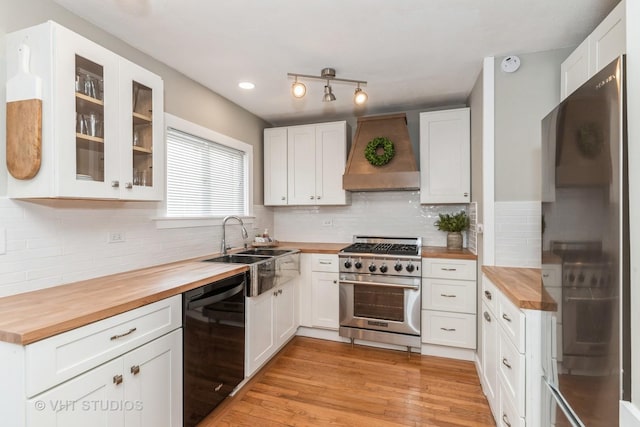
246, 85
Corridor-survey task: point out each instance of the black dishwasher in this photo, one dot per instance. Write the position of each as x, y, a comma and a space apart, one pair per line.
213, 345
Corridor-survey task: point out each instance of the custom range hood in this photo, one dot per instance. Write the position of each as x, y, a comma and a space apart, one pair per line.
401, 173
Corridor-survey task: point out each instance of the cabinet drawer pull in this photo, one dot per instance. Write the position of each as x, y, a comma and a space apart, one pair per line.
488, 295
448, 329
447, 295
505, 420
128, 185
115, 337
275, 294
325, 262
506, 363
466, 194
117, 379
135, 369
115, 184
218, 387
545, 274
280, 291
505, 317
448, 269
487, 316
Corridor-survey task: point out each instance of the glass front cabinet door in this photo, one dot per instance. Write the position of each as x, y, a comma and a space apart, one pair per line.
102, 130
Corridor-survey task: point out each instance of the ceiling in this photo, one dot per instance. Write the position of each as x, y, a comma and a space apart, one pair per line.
413, 53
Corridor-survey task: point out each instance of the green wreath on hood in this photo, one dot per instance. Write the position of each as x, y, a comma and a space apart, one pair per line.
371, 151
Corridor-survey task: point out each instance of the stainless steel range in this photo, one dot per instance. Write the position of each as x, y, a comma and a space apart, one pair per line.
380, 285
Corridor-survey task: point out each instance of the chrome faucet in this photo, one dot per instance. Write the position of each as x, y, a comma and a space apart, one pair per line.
245, 235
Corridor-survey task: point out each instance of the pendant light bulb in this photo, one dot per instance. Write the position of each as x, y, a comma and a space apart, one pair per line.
298, 90
360, 96
328, 94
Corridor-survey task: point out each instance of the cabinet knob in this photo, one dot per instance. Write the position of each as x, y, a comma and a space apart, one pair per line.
128, 185
280, 291
487, 316
317, 197
275, 294
488, 295
466, 194
335, 281
283, 198
115, 184
311, 197
135, 369
505, 420
117, 379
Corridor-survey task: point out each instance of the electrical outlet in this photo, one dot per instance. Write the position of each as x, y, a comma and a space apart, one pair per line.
116, 237
327, 222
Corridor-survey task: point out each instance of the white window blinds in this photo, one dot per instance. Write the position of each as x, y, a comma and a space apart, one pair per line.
204, 178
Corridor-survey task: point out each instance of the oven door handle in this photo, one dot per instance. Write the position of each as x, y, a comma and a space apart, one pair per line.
385, 285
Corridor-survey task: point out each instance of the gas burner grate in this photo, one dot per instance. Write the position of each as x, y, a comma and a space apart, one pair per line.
382, 248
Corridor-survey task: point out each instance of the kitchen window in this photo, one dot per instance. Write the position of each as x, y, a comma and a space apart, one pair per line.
208, 174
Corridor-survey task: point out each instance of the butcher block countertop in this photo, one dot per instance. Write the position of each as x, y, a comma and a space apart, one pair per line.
523, 286
32, 316
334, 248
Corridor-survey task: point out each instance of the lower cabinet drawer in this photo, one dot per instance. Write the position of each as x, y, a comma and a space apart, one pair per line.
450, 329
64, 356
449, 295
511, 371
507, 415
324, 262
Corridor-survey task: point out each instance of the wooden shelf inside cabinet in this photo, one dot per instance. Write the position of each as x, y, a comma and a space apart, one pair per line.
141, 119
141, 150
89, 138
87, 102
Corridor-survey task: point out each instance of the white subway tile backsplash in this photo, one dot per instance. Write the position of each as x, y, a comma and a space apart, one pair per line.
517, 234
53, 242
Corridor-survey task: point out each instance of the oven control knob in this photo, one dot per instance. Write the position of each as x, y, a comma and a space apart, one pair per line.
397, 267
358, 265
372, 267
383, 268
580, 278
594, 281
410, 267
572, 277
347, 264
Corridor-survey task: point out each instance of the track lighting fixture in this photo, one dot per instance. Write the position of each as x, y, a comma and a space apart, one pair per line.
298, 89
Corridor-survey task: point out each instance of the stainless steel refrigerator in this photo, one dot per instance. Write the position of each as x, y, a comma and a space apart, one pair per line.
586, 341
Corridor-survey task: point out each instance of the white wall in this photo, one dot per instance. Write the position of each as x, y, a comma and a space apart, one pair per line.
522, 99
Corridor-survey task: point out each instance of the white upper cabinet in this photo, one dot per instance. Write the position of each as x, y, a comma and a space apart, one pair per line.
275, 166
574, 70
303, 165
102, 119
445, 156
604, 44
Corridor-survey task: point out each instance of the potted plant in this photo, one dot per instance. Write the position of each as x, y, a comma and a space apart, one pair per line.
454, 225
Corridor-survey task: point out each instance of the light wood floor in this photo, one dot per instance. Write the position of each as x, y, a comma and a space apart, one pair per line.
318, 383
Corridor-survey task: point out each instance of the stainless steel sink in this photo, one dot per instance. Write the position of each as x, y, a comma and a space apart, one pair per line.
238, 259
266, 252
268, 268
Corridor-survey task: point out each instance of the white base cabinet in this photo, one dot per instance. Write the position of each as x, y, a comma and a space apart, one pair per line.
141, 388
125, 370
511, 359
272, 320
449, 303
325, 292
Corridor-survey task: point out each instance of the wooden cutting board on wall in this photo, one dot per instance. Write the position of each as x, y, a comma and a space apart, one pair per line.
24, 120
